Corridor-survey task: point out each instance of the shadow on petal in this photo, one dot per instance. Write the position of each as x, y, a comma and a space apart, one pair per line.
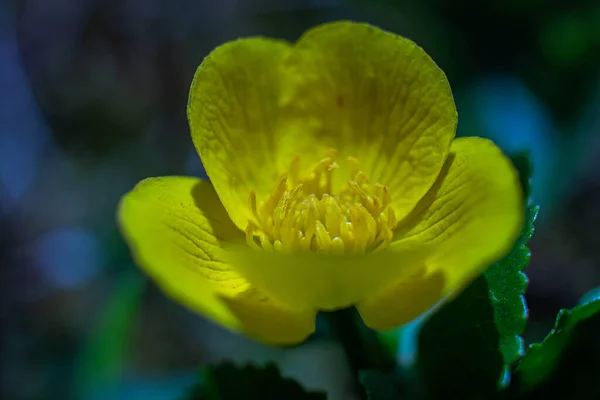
403, 301
222, 227
266, 320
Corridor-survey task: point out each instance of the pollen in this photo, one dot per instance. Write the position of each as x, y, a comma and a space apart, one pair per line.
302, 214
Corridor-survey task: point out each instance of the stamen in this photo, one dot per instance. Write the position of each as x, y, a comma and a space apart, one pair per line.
303, 214
337, 245
250, 236
354, 167
266, 243
328, 177
323, 238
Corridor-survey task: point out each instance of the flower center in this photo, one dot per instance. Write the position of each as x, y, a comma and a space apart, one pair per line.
302, 213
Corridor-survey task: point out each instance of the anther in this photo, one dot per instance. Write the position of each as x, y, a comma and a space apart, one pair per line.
307, 216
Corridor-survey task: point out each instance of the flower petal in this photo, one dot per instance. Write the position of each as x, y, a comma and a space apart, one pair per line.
256, 103
232, 110
470, 219
324, 282
403, 301
268, 320
175, 227
372, 95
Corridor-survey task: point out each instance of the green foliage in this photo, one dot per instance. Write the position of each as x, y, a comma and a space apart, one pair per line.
567, 363
459, 348
467, 347
507, 284
506, 279
104, 355
228, 382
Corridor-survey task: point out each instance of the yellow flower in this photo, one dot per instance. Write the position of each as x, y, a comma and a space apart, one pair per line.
335, 180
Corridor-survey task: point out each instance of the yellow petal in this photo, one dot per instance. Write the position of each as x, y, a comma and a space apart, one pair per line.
270, 321
403, 301
175, 227
256, 103
232, 110
373, 95
470, 219
325, 282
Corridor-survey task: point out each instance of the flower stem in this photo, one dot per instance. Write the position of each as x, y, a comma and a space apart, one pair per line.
361, 345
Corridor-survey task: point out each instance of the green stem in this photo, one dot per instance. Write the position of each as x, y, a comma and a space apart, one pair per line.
361, 345
344, 329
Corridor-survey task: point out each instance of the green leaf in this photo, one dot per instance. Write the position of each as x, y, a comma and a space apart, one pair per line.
459, 348
466, 347
506, 280
229, 382
566, 364
104, 355
507, 284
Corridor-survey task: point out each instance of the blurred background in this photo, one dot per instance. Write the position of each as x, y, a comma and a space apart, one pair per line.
92, 100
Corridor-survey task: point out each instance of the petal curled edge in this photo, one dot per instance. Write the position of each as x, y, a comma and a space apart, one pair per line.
470, 218
176, 227
232, 110
372, 95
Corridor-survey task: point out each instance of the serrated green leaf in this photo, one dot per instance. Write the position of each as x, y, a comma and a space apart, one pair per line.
566, 364
507, 284
459, 352
229, 382
465, 348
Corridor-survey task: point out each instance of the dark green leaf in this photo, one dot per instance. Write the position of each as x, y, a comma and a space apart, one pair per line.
507, 284
229, 382
567, 363
459, 348
465, 348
